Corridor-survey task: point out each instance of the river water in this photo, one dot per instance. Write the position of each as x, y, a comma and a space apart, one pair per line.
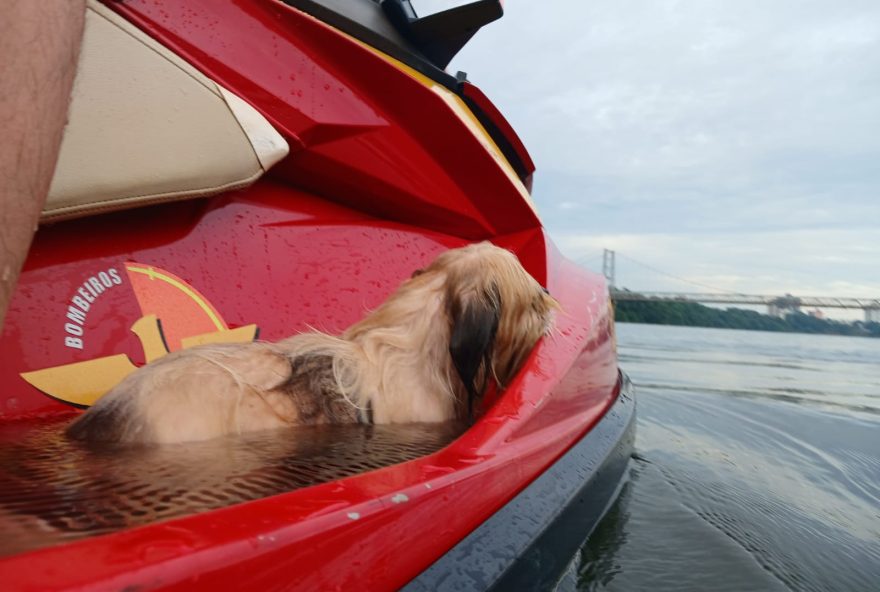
757, 465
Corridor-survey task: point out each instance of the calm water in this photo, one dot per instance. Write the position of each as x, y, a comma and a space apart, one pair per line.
758, 465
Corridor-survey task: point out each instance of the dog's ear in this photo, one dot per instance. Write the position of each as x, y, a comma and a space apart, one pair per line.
474, 325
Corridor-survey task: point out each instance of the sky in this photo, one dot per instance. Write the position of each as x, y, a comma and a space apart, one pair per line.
734, 144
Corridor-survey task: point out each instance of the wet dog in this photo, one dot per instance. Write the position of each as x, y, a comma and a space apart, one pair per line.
427, 354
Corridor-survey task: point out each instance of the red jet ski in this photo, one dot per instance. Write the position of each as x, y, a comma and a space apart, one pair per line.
243, 170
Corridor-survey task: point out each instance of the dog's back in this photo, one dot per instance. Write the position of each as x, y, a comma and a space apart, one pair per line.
195, 394
425, 355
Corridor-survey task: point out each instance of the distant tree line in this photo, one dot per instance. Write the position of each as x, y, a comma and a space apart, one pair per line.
691, 314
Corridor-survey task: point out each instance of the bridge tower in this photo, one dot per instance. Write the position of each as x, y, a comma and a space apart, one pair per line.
608, 268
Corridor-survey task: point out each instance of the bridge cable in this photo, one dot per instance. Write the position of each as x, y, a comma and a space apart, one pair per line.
585, 260
675, 277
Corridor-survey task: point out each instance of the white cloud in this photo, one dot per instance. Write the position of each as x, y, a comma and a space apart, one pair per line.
792, 261
727, 142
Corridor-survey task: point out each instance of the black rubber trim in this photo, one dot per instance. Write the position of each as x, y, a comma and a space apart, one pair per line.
528, 544
441, 35
365, 20
500, 140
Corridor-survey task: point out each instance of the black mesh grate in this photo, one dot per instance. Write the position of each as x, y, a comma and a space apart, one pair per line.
53, 490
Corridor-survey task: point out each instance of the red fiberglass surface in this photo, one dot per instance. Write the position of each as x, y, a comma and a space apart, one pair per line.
382, 177
359, 129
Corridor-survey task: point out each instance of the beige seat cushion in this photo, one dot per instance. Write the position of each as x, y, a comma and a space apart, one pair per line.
146, 127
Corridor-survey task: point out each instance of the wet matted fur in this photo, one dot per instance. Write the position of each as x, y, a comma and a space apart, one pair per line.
427, 354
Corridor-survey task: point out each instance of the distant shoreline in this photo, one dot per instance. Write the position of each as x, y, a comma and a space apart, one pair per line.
689, 314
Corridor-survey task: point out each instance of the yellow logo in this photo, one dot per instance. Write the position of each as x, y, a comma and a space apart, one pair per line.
175, 316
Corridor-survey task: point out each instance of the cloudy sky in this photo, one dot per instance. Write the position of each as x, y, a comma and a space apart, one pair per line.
735, 144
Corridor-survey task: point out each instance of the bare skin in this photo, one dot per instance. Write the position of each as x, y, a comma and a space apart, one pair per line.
39, 46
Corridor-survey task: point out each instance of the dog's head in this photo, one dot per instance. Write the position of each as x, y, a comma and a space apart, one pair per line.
496, 310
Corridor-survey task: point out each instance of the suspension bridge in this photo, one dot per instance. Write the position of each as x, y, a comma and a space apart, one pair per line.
776, 305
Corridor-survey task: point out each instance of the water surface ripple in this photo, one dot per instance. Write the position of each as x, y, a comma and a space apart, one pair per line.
757, 465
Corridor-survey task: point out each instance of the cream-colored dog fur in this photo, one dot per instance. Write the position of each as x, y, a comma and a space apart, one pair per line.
426, 354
